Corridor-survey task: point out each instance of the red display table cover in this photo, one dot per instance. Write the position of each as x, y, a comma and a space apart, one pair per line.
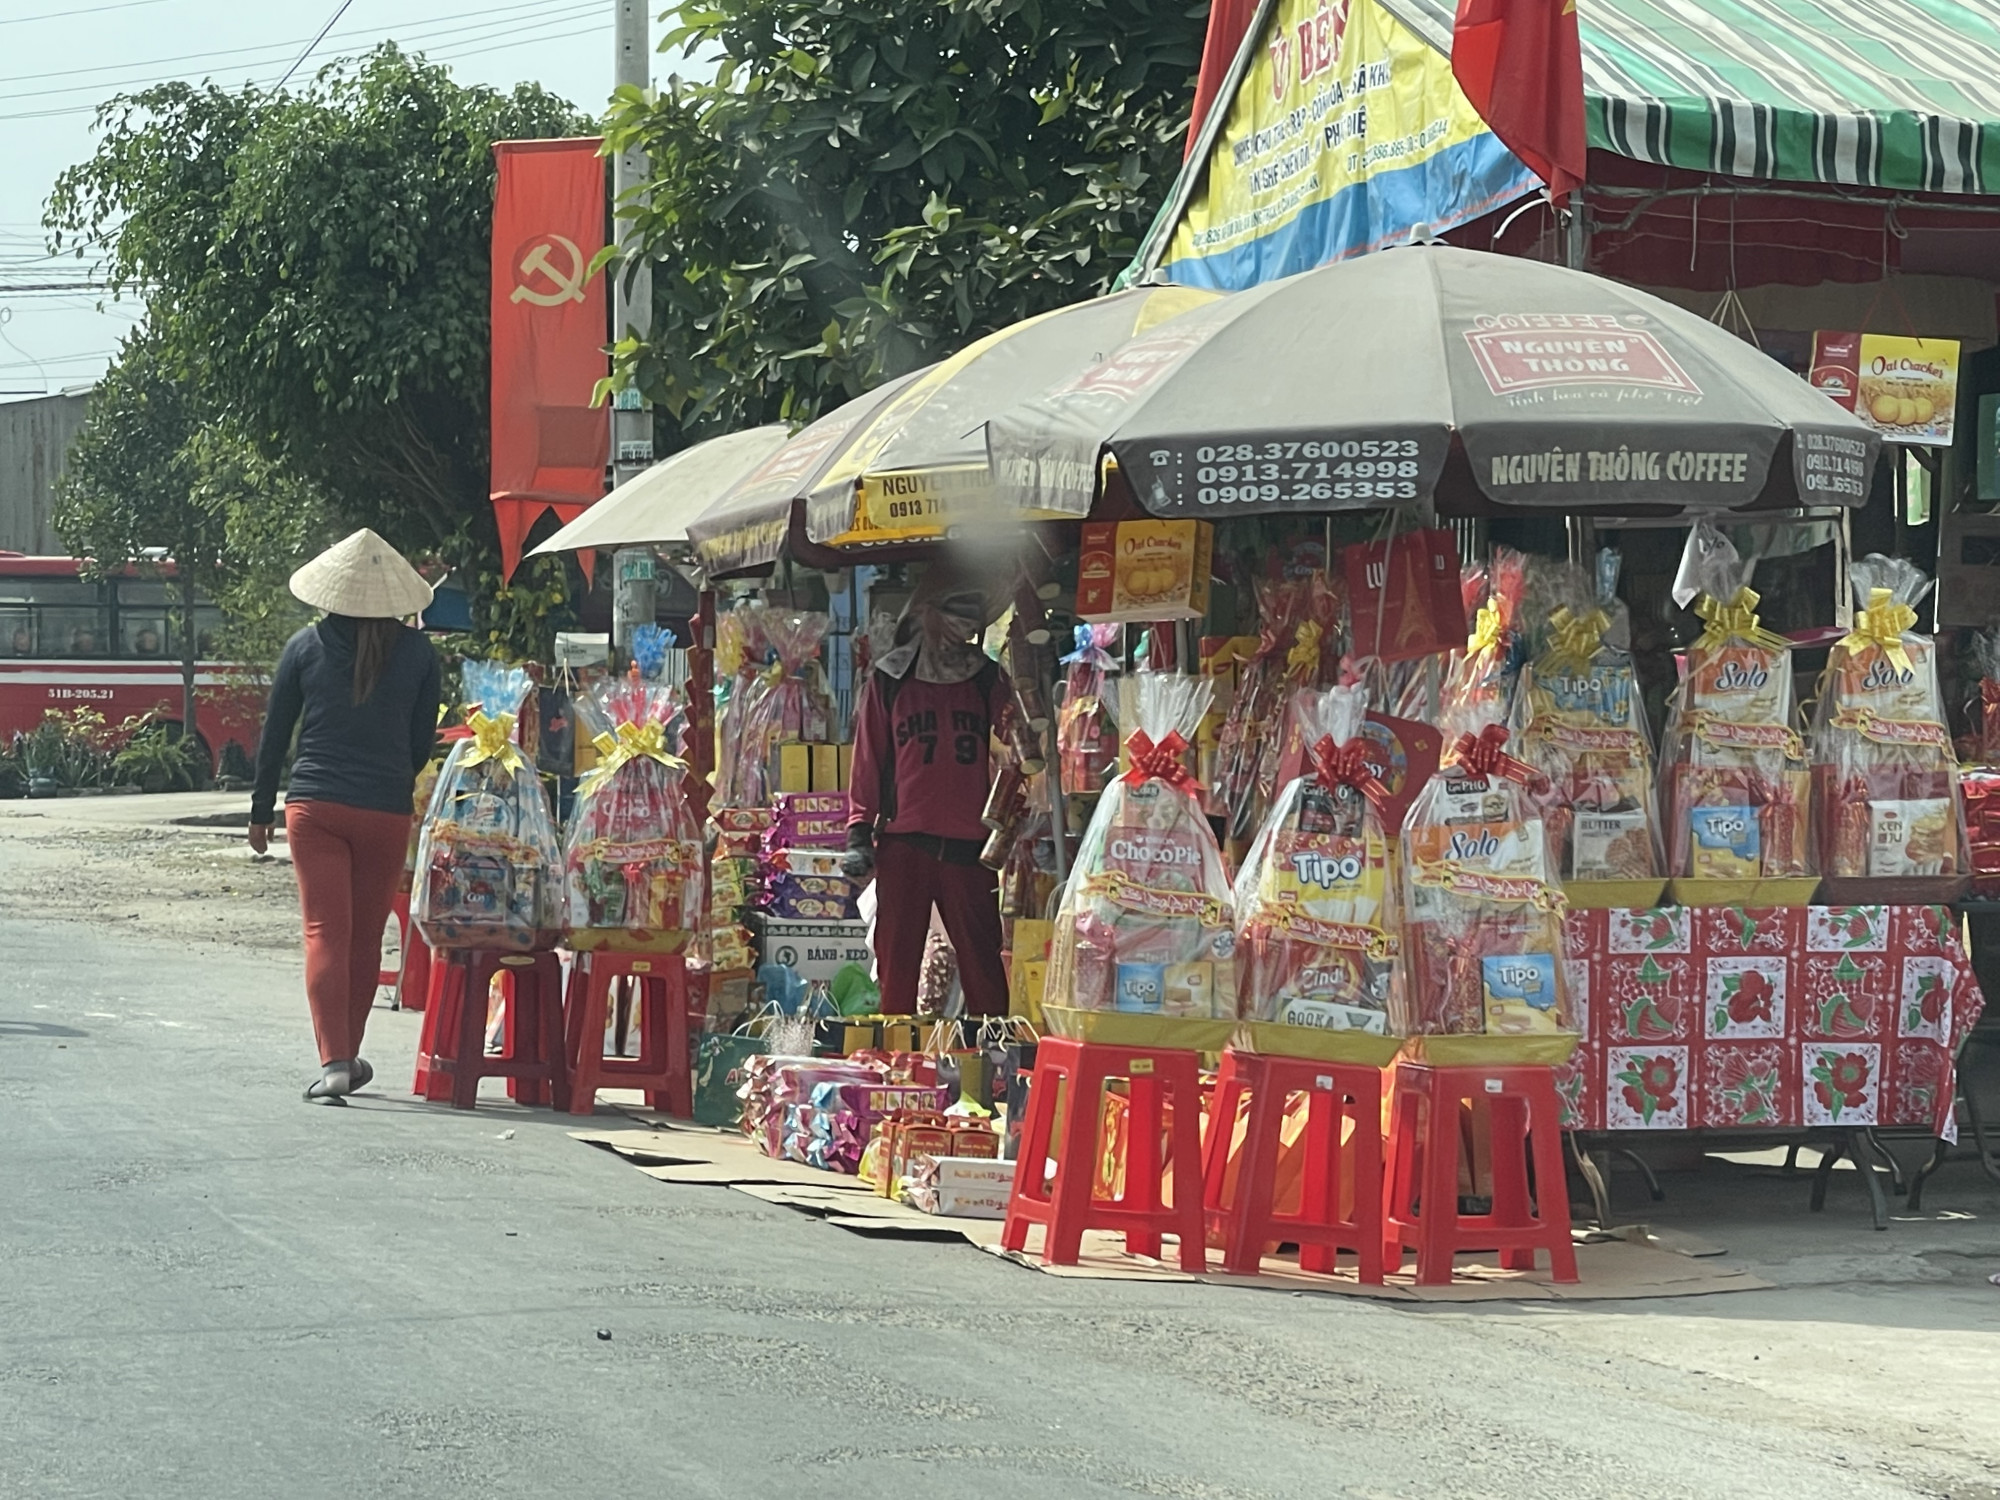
1722, 1018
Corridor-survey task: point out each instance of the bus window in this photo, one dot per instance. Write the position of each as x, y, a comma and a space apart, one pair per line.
149, 622
68, 616
17, 631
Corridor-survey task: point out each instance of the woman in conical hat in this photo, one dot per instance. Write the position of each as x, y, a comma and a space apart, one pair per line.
361, 689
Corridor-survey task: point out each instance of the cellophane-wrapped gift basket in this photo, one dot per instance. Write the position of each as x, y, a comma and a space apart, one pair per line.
1736, 797
488, 860
1143, 946
632, 876
1884, 774
1317, 970
1483, 923
1579, 720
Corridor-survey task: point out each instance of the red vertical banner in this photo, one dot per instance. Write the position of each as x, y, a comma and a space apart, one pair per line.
550, 328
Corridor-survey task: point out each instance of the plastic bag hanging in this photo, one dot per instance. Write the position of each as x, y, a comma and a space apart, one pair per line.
740, 649
1885, 777
488, 858
1144, 922
1316, 909
1582, 724
632, 860
1736, 785
1086, 742
787, 700
1483, 932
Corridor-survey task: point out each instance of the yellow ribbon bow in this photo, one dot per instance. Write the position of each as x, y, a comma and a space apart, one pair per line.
1302, 660
493, 739
1882, 624
1485, 629
631, 742
1738, 619
1574, 639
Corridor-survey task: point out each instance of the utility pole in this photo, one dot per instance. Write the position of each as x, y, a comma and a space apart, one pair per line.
632, 286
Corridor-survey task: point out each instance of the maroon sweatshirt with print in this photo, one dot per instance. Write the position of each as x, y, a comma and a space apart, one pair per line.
935, 741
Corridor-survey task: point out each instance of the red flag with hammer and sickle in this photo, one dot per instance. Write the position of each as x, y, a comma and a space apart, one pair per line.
550, 326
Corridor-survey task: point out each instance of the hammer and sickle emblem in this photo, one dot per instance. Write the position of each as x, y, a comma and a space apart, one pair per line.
569, 286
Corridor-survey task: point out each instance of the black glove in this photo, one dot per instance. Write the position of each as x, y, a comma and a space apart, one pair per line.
859, 861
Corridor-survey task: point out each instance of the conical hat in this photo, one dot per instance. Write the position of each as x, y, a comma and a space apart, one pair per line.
363, 577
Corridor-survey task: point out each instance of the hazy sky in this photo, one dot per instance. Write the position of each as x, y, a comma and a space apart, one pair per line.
60, 58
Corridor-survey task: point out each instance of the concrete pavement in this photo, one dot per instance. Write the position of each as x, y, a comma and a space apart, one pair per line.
210, 1289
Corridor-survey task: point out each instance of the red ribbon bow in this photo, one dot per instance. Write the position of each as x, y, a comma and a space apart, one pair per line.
1159, 762
1484, 754
1337, 766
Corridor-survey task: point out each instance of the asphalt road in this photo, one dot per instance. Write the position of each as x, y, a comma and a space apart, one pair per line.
210, 1289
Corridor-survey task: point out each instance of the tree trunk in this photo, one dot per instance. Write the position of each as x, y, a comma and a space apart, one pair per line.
188, 644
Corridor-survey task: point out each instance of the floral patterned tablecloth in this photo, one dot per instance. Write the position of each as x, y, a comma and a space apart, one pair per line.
1718, 1017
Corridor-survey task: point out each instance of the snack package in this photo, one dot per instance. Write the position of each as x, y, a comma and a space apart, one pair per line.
488, 859
1144, 922
1735, 800
632, 861
1483, 930
1086, 743
1582, 724
1297, 646
1884, 775
1316, 916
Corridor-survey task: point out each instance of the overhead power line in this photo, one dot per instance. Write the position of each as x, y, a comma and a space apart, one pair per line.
340, 11
64, 15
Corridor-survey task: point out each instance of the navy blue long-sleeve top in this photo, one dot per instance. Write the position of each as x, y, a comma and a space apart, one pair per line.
363, 754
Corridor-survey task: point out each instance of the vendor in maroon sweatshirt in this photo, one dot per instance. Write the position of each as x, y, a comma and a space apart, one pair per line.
923, 734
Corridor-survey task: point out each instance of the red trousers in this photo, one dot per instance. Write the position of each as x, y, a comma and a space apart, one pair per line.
349, 862
909, 879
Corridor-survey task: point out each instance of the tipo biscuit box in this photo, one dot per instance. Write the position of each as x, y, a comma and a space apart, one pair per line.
1144, 570
814, 950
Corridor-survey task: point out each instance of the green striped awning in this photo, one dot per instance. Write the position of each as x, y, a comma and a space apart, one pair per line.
1900, 94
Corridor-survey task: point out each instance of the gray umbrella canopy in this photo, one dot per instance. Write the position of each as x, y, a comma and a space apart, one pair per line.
1435, 373
749, 525
656, 504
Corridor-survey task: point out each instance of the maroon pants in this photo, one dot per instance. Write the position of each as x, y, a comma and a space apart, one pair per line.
349, 861
909, 879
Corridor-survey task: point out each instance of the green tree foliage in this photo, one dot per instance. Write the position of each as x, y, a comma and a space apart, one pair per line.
315, 265
866, 185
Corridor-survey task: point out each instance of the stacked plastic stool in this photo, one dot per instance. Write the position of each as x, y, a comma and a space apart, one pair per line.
451, 1050
1164, 1102
1341, 1099
663, 1067
1422, 1210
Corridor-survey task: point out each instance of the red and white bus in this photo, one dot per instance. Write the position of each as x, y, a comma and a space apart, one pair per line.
114, 645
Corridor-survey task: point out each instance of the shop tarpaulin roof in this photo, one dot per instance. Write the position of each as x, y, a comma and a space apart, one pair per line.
657, 504
1898, 94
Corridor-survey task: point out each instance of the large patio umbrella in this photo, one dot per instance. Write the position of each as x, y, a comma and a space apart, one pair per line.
656, 504
917, 463
1429, 373
761, 516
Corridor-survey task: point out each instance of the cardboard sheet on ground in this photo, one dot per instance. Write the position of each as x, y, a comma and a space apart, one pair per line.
1615, 1269
711, 1158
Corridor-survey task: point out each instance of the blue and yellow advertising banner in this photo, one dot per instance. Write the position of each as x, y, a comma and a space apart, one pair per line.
1347, 135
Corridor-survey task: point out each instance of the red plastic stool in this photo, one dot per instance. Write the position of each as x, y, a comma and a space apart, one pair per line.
1065, 1206
1424, 1142
451, 1051
1334, 1092
662, 1067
